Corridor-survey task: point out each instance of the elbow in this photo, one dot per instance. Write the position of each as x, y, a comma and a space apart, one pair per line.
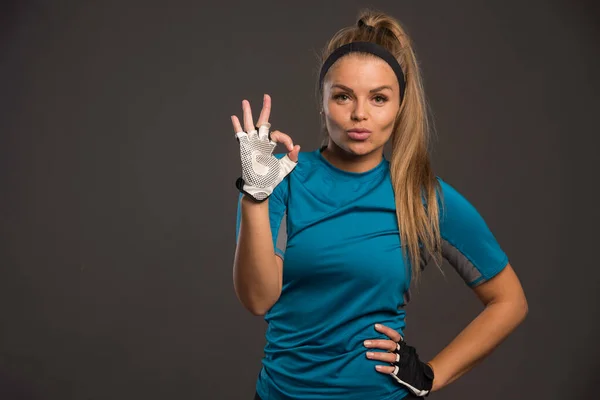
257, 312
524, 308
259, 306
256, 306
257, 309
519, 308
514, 309
523, 304
256, 297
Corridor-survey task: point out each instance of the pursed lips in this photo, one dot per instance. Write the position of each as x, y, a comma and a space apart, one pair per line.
359, 134
359, 130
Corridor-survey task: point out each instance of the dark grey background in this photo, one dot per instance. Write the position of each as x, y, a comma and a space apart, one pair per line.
117, 164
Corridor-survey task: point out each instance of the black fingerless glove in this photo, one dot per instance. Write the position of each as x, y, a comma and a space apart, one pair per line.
411, 372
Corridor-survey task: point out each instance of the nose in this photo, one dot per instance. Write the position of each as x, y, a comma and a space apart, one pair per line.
359, 112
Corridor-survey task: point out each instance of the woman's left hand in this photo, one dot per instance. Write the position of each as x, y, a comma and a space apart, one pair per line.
384, 344
405, 368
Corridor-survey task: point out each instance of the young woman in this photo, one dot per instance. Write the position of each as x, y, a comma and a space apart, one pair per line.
354, 230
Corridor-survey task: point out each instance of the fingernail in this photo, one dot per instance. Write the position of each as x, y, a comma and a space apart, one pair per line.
378, 326
378, 367
369, 354
368, 343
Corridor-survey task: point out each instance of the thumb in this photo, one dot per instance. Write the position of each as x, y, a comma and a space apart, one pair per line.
293, 155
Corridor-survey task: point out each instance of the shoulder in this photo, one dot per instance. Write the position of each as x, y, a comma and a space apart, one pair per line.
457, 214
451, 200
460, 221
448, 191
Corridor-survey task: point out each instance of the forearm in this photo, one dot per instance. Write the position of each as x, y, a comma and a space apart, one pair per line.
476, 341
256, 275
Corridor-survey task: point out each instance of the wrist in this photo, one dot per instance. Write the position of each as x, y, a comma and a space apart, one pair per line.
250, 202
437, 383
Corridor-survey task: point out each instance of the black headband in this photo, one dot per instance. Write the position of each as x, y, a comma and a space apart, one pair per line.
365, 47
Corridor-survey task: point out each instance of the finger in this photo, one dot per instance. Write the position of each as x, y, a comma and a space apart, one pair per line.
384, 369
389, 332
293, 155
286, 165
383, 356
280, 137
248, 124
384, 344
266, 110
263, 130
237, 127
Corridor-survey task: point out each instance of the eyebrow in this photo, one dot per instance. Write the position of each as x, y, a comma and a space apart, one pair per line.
377, 89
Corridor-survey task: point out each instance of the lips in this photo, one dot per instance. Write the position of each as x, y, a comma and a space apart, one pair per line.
359, 134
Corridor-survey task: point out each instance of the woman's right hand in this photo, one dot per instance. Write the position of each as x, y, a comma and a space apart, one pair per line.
261, 171
275, 136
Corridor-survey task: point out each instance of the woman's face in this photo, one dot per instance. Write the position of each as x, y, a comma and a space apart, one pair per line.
361, 99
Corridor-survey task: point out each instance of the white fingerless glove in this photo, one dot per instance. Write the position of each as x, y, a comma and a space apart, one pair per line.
261, 171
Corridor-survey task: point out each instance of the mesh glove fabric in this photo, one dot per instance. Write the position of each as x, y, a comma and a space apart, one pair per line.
261, 170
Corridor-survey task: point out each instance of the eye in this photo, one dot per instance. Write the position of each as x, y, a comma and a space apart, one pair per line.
341, 97
380, 99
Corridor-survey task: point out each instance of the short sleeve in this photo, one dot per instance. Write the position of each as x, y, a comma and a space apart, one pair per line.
467, 242
277, 215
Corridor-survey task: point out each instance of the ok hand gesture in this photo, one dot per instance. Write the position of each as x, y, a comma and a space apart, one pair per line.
261, 171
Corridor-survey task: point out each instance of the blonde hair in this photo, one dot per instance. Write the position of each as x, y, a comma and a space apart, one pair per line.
416, 188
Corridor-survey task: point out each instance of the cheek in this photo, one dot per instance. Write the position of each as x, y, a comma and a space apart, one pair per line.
337, 116
385, 120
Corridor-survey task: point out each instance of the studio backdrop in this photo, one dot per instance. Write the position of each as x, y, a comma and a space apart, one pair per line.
117, 197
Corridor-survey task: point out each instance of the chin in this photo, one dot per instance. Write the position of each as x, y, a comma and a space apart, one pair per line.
359, 148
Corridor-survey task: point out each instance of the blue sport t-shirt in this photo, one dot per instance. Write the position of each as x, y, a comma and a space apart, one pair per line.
343, 272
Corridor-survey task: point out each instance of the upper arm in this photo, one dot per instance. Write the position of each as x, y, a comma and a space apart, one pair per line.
279, 262
504, 287
467, 242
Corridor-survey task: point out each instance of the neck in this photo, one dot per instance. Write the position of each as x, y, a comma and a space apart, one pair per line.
345, 161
